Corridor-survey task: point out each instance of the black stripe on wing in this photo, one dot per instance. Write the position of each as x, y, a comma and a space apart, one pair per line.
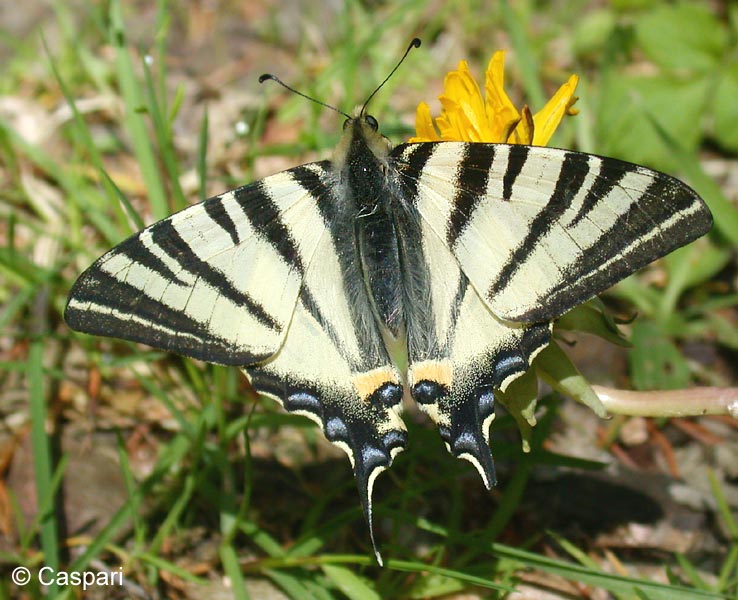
119, 310
217, 212
410, 161
609, 176
471, 187
571, 178
663, 217
266, 220
312, 182
516, 159
136, 251
166, 236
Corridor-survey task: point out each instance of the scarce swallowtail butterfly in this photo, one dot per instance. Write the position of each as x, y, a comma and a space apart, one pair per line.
455, 257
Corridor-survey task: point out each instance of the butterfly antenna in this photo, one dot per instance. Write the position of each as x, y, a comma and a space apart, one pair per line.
415, 43
269, 76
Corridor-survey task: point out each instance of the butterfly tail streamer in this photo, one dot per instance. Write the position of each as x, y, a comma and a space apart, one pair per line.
468, 437
364, 483
370, 455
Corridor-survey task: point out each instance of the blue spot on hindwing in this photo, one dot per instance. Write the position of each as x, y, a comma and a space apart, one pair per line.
394, 438
336, 430
303, 401
486, 403
504, 366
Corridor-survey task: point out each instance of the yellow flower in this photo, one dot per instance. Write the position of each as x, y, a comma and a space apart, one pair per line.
466, 116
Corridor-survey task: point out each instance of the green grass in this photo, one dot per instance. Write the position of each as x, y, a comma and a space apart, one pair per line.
301, 527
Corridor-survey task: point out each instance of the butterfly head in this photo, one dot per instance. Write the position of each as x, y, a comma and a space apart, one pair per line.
360, 140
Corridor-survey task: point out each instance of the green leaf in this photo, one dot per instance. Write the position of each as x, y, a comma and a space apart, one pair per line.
632, 5
433, 585
520, 401
725, 108
628, 106
644, 297
460, 575
592, 31
47, 484
355, 587
229, 560
135, 123
700, 260
655, 362
296, 586
682, 37
617, 584
726, 333
555, 368
689, 266
594, 319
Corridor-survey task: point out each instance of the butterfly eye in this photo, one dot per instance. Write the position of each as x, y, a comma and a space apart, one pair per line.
372, 122
346, 123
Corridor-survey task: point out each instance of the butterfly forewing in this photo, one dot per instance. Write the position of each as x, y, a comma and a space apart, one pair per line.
217, 281
540, 230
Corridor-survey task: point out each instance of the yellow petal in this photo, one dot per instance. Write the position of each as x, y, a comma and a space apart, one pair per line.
509, 128
548, 118
463, 107
525, 131
451, 123
501, 112
424, 125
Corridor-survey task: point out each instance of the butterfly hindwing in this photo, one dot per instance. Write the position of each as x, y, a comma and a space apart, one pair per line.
358, 410
459, 352
333, 366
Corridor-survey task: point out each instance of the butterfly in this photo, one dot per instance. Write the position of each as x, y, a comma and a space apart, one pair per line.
431, 270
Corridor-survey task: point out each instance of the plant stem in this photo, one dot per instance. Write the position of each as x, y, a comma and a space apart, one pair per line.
670, 403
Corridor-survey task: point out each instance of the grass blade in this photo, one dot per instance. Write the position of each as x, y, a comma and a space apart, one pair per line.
135, 124
42, 459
